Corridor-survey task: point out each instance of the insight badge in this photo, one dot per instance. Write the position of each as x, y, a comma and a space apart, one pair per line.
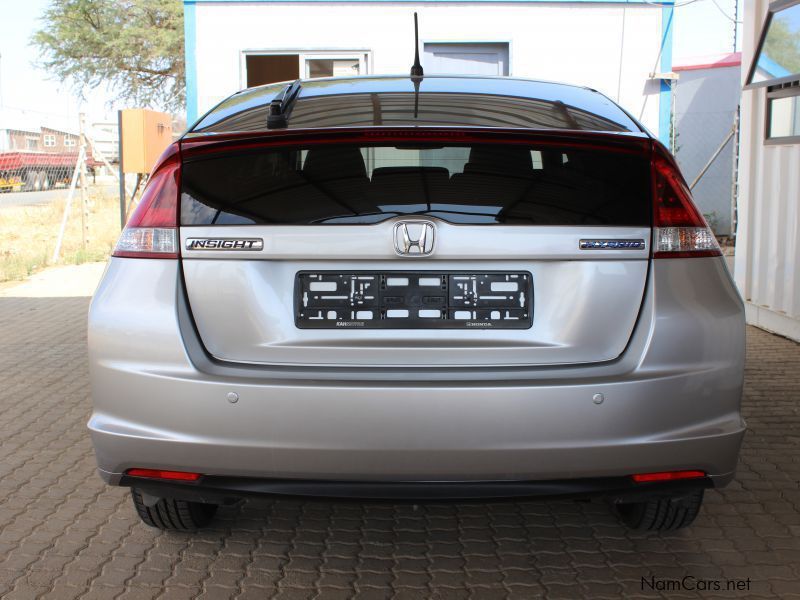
224, 244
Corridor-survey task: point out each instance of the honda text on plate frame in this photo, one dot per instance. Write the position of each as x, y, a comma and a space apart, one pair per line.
440, 287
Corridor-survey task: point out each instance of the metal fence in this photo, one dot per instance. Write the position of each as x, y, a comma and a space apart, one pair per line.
705, 111
37, 158
58, 191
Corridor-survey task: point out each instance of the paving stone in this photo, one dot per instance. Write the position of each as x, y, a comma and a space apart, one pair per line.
65, 535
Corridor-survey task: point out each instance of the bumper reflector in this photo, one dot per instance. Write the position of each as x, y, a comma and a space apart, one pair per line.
158, 474
667, 476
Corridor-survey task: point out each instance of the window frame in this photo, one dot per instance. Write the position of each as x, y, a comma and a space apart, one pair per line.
70, 141
49, 140
364, 56
774, 7
361, 57
773, 94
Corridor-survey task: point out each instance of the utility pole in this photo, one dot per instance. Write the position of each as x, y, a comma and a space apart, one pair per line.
82, 174
123, 194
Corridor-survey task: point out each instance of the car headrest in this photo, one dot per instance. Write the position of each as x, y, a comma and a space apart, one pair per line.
334, 162
428, 172
500, 159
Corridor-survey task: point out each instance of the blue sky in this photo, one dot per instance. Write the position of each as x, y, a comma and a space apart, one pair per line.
26, 87
791, 17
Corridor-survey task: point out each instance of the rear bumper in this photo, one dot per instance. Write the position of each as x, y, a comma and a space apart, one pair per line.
227, 490
413, 432
670, 402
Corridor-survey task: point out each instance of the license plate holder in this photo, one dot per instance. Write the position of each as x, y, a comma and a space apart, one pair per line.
413, 300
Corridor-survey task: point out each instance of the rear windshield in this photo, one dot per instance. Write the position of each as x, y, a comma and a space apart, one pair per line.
478, 184
595, 113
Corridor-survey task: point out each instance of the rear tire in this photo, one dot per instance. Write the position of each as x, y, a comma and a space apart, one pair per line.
664, 513
172, 514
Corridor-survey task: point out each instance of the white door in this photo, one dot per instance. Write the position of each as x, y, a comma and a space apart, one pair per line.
465, 59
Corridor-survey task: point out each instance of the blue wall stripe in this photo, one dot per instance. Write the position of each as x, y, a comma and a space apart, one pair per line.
665, 95
190, 45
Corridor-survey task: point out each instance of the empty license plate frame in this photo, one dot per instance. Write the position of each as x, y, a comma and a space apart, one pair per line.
413, 300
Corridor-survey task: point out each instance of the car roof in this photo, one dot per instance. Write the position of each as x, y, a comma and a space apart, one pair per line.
442, 100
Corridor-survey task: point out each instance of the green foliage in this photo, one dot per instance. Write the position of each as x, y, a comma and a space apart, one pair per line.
783, 45
133, 46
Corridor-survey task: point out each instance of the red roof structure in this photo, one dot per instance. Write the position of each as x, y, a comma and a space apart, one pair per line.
714, 61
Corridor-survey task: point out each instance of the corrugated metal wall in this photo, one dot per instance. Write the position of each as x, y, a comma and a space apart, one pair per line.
767, 267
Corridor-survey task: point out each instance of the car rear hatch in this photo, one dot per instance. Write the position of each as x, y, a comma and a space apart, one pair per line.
420, 247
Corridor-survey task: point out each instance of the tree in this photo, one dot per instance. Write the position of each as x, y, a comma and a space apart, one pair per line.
783, 45
133, 46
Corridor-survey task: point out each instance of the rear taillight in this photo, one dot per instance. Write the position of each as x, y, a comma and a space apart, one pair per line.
152, 230
679, 229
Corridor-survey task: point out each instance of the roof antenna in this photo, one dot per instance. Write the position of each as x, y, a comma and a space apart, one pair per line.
416, 69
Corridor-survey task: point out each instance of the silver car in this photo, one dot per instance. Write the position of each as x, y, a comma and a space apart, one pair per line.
452, 288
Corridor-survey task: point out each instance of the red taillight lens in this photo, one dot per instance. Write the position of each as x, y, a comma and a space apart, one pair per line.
152, 230
667, 476
679, 229
159, 474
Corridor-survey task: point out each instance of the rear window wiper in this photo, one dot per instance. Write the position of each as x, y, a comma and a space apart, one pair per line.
281, 106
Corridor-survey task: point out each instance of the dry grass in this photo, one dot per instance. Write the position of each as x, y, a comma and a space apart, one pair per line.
28, 234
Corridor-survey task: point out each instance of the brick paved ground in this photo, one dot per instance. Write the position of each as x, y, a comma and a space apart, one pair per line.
64, 535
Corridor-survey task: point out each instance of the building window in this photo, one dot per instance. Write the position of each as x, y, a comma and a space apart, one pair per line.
270, 68
31, 143
776, 66
49, 140
69, 141
263, 67
783, 114
777, 58
332, 67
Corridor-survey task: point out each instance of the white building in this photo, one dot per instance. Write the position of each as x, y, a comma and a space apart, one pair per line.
31, 130
768, 242
619, 47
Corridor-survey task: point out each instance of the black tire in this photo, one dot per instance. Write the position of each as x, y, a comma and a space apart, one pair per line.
174, 515
665, 513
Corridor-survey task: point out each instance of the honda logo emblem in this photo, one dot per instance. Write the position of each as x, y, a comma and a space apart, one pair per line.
414, 238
